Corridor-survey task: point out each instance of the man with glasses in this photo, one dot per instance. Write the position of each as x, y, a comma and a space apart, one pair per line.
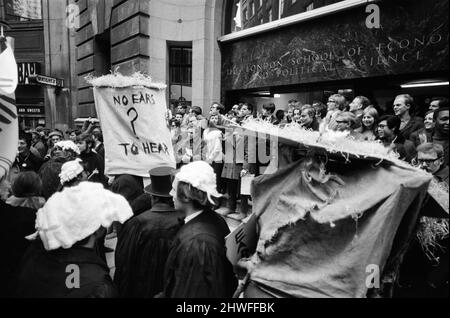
389, 134
345, 121
420, 275
336, 104
430, 157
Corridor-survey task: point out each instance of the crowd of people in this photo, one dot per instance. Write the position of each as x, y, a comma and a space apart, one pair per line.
170, 243
199, 137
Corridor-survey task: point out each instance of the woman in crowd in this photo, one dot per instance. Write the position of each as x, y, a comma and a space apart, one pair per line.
192, 141
296, 115
213, 138
290, 114
345, 121
369, 125
424, 134
26, 190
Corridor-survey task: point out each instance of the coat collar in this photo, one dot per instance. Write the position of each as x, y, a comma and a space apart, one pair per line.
162, 207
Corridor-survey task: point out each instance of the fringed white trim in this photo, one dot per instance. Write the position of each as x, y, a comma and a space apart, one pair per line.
117, 80
331, 141
430, 232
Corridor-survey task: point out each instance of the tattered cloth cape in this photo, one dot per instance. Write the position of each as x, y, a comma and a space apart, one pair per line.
323, 239
330, 234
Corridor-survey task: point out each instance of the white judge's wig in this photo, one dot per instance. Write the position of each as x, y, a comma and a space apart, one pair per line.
200, 177
70, 170
76, 213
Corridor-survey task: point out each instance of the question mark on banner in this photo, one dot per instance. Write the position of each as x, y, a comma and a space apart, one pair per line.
133, 120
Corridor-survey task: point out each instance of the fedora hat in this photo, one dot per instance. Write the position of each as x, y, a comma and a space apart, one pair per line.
161, 182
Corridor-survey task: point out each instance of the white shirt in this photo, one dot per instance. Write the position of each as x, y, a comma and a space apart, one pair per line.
192, 216
213, 141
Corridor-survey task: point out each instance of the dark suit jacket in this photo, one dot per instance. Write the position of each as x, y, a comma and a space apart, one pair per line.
414, 124
17, 222
142, 248
44, 274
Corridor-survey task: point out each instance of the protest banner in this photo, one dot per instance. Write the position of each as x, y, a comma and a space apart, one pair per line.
9, 125
134, 125
242, 241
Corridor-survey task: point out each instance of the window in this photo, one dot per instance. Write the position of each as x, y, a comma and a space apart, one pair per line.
252, 8
261, 20
270, 15
310, 7
22, 10
245, 12
180, 74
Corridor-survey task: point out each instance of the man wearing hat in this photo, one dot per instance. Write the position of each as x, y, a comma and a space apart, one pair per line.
53, 138
143, 243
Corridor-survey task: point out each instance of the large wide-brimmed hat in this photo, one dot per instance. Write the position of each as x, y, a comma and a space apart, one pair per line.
161, 181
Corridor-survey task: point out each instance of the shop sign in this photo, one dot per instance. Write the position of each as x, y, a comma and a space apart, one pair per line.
26, 70
26, 110
51, 81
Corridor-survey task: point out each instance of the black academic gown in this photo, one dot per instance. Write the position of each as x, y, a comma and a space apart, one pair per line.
47, 274
16, 223
142, 248
197, 266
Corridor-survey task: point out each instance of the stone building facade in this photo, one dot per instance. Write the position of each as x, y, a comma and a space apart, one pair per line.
137, 36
